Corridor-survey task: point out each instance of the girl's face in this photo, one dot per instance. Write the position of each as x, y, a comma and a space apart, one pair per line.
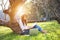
24, 17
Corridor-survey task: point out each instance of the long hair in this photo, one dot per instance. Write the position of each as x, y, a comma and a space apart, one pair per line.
24, 19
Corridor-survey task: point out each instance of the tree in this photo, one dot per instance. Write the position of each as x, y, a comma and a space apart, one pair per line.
11, 12
51, 8
48, 7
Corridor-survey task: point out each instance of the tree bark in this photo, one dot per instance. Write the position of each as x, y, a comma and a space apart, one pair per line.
14, 26
11, 12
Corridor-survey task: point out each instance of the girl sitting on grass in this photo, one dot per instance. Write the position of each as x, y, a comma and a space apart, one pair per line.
23, 24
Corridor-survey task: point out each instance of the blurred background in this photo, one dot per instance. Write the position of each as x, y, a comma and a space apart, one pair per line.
45, 12
37, 10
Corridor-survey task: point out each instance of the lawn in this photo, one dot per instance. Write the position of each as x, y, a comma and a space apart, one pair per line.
52, 28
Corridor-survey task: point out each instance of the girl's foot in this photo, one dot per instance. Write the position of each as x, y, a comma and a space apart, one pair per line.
43, 31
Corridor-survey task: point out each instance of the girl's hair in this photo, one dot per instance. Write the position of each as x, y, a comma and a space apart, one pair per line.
24, 19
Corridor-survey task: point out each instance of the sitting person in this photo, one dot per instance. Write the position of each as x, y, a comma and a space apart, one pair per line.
25, 29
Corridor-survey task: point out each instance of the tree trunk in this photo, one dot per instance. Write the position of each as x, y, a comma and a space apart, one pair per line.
11, 12
14, 26
58, 19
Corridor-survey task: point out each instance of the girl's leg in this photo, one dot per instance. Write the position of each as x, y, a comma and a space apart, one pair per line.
39, 28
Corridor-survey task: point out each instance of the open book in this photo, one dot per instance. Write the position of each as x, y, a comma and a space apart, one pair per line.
34, 24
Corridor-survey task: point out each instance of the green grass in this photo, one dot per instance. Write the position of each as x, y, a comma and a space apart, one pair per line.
53, 29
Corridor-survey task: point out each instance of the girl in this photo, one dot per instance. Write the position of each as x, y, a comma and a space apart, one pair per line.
27, 28
23, 24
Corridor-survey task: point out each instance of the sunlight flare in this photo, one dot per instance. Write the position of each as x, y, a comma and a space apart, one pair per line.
21, 10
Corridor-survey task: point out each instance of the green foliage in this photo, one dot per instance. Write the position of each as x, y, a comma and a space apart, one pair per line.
52, 28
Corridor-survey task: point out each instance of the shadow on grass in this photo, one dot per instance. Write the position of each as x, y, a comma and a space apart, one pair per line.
14, 36
8, 36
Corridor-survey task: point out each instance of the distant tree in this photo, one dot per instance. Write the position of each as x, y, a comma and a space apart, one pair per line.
51, 8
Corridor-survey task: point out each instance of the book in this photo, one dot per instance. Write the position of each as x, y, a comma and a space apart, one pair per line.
34, 24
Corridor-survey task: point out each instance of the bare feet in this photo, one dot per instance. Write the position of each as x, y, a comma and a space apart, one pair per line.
43, 31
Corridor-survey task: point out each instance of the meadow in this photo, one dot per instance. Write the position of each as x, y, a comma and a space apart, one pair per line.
52, 28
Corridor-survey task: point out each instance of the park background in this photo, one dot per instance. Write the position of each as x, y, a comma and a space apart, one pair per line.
45, 12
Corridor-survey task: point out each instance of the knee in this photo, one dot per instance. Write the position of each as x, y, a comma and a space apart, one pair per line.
36, 26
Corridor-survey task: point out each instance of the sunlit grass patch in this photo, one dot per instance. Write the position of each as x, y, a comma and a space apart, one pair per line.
52, 28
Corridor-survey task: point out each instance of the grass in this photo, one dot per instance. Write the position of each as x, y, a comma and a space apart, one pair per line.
52, 27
